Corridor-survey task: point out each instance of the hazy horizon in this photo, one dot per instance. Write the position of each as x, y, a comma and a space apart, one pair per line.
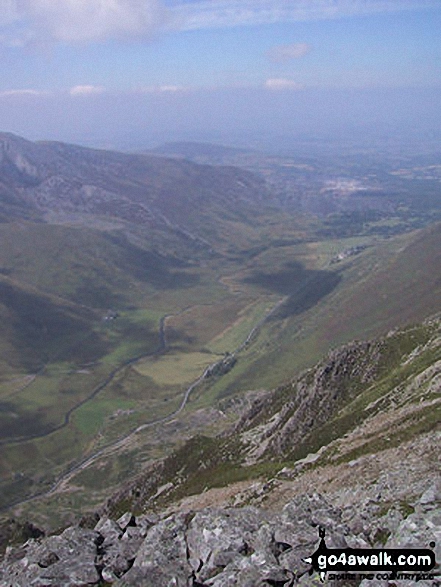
130, 74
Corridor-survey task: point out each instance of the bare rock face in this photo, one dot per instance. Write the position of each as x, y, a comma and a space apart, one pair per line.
234, 547
313, 399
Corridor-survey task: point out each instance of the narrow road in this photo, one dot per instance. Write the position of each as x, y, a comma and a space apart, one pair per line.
122, 440
162, 347
84, 463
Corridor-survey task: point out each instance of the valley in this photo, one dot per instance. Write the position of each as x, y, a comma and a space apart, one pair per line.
145, 300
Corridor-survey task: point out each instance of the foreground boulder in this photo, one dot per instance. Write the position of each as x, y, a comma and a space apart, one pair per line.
214, 547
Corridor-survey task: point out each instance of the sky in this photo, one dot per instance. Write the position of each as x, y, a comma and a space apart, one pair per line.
131, 73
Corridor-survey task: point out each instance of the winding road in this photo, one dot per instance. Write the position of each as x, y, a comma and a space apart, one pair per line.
158, 351
85, 462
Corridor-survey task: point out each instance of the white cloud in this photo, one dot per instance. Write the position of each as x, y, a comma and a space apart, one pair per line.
288, 52
37, 21
281, 83
226, 13
81, 20
172, 89
86, 90
7, 93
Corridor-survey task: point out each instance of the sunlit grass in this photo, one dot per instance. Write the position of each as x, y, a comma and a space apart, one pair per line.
236, 333
176, 368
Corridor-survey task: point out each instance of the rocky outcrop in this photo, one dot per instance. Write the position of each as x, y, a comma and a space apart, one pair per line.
286, 417
365, 398
378, 470
215, 547
351, 386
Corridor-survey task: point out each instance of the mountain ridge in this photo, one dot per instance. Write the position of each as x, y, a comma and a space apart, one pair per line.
358, 383
56, 181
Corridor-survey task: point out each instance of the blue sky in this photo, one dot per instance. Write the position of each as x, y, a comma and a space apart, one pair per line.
95, 70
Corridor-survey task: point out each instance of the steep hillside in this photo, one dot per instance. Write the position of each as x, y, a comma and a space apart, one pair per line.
66, 183
98, 252
364, 401
351, 446
142, 298
89, 267
58, 284
390, 284
129, 387
36, 327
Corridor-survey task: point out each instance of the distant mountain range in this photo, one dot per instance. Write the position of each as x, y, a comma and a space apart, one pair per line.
57, 183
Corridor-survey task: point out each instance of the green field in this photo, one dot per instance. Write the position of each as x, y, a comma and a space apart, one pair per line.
112, 306
176, 369
105, 373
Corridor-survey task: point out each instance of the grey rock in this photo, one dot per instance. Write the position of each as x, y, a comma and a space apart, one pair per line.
67, 560
113, 560
145, 522
162, 557
118, 551
109, 530
109, 576
430, 499
131, 541
218, 538
234, 547
126, 520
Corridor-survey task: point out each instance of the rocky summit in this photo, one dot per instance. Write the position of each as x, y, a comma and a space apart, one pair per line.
221, 547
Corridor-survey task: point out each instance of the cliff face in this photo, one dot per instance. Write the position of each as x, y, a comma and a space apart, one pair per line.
278, 424
384, 392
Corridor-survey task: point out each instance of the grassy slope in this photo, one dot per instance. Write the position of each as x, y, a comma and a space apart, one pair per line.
86, 266
37, 328
83, 266
392, 284
222, 467
57, 284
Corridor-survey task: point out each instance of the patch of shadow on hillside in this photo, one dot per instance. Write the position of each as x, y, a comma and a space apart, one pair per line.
160, 271
304, 287
96, 295
179, 338
40, 330
16, 423
144, 335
